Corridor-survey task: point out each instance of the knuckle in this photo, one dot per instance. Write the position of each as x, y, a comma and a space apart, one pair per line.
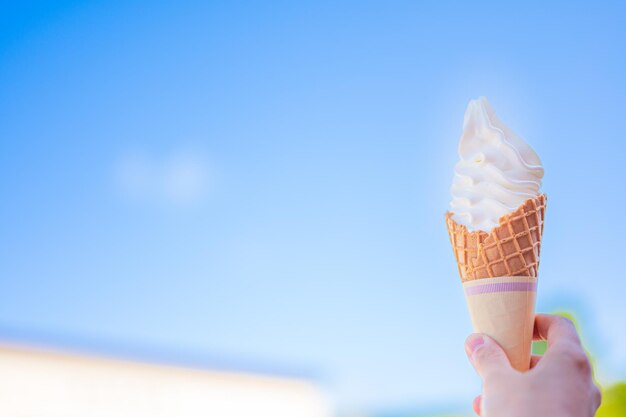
597, 396
575, 356
580, 361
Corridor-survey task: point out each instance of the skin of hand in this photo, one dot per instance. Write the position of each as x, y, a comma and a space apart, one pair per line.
559, 383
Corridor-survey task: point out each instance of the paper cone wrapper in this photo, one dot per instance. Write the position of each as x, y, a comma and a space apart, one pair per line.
504, 309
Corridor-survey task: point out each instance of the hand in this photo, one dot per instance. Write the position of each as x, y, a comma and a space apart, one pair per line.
559, 383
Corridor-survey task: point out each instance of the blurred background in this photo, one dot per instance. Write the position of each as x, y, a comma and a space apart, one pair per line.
259, 187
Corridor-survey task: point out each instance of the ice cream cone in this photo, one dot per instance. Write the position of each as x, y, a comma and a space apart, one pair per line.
499, 274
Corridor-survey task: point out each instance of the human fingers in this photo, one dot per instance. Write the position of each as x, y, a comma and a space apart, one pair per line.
486, 356
476, 404
596, 398
555, 329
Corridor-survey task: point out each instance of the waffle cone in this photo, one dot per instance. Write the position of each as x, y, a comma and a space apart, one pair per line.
510, 249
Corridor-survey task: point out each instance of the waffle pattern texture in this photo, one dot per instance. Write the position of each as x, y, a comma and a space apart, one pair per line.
510, 249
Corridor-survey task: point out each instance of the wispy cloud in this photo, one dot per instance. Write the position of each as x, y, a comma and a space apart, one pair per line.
181, 177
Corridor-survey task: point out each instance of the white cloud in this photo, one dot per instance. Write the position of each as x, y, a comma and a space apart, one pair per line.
179, 178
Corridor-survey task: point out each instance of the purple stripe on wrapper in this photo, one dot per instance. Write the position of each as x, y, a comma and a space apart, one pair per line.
501, 287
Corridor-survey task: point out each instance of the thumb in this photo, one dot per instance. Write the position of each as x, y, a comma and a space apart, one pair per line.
486, 355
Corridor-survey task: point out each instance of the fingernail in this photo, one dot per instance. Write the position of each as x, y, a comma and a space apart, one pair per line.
473, 342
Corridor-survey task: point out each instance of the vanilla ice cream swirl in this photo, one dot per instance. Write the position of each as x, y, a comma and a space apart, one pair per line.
496, 173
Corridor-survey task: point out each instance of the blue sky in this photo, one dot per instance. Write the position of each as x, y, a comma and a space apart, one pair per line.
267, 181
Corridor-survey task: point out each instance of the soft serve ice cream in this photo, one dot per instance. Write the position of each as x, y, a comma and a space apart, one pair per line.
495, 224
496, 173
